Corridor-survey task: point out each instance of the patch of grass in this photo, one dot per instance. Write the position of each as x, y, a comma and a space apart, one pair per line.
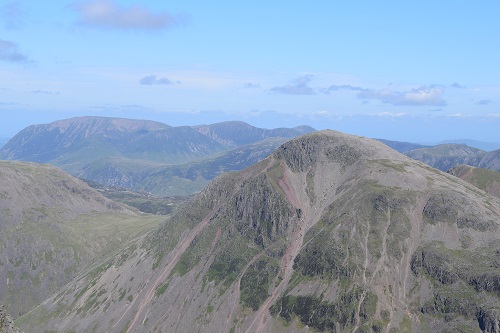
312, 311
161, 288
255, 282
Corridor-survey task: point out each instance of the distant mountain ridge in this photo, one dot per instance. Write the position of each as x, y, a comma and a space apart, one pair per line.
124, 152
486, 146
238, 133
402, 147
447, 156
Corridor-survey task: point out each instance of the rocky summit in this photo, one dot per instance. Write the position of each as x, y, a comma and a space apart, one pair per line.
332, 232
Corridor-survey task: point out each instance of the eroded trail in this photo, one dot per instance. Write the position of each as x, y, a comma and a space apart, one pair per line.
177, 252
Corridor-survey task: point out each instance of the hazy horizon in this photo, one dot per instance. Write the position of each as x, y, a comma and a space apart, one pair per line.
415, 72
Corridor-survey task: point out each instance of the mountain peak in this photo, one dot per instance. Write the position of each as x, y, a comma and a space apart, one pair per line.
329, 145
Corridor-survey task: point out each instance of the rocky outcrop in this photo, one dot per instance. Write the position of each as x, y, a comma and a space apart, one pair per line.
489, 320
6, 322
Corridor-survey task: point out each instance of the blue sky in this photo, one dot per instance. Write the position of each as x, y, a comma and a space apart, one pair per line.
411, 71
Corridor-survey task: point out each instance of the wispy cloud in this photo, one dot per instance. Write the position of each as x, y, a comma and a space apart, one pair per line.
153, 80
430, 95
45, 92
10, 52
334, 87
420, 96
11, 13
299, 86
484, 102
108, 14
251, 85
457, 85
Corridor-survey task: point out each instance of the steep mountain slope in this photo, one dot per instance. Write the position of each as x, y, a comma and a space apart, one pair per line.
238, 133
485, 179
331, 232
51, 226
402, 147
446, 156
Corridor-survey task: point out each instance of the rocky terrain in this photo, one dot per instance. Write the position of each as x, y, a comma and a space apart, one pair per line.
52, 226
331, 232
6, 322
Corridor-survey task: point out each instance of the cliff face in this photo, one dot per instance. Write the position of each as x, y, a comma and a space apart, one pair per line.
332, 232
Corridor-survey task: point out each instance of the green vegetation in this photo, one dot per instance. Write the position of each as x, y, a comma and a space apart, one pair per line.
161, 289
312, 311
256, 280
324, 258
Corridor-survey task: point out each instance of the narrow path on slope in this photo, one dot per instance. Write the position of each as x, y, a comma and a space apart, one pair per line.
182, 246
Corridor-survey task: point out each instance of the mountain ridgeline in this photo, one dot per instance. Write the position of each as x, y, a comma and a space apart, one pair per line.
131, 153
447, 156
331, 232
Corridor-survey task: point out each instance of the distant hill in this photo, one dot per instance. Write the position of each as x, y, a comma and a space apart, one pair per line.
51, 226
330, 233
238, 133
190, 178
73, 143
485, 179
402, 147
486, 146
125, 152
446, 156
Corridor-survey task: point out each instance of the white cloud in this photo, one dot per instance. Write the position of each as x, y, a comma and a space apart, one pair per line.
391, 114
107, 14
420, 96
